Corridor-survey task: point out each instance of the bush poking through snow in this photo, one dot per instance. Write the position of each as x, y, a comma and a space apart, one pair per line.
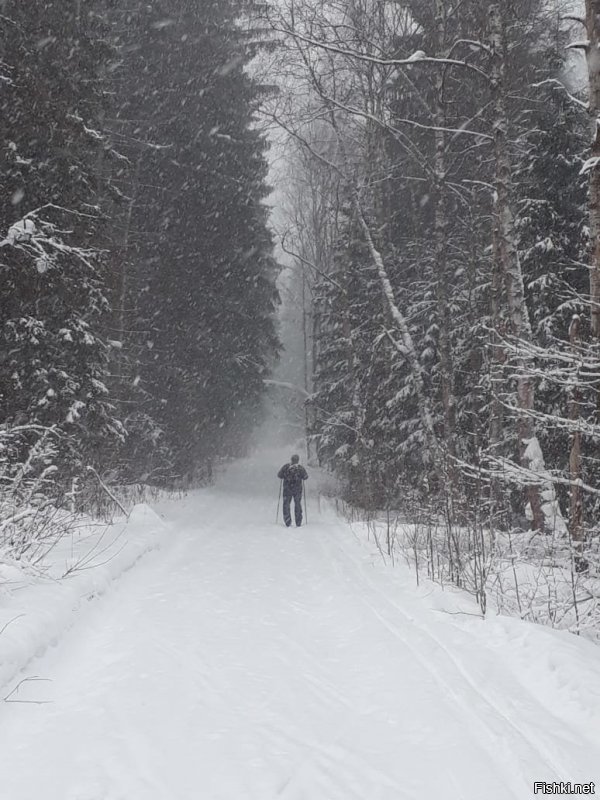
529, 575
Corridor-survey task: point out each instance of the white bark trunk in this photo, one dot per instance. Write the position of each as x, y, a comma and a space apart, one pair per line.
409, 350
592, 19
575, 460
441, 245
541, 497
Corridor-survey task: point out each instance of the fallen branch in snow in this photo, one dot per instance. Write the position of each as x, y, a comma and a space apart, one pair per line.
9, 697
459, 613
10, 622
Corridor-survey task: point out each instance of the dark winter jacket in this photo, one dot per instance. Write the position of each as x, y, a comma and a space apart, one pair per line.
292, 476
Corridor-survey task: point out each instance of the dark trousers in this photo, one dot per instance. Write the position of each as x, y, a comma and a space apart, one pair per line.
287, 499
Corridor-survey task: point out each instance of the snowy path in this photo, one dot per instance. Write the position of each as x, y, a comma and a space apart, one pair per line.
244, 661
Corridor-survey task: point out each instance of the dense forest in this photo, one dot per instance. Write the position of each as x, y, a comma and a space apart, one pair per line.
444, 217
137, 312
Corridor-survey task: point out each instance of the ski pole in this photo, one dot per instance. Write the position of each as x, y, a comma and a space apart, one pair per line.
278, 501
305, 502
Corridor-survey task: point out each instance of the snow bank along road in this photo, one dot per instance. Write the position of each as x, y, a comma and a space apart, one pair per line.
244, 661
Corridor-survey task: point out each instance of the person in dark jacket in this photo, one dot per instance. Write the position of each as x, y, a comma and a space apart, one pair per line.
293, 476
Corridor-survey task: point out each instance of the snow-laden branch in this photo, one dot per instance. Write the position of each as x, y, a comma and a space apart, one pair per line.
98, 138
582, 45
358, 112
419, 57
39, 239
306, 263
573, 18
556, 422
517, 346
292, 387
509, 471
560, 85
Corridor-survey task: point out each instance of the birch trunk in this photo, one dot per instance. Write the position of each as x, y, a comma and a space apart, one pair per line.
407, 348
496, 426
575, 461
509, 264
441, 248
354, 369
123, 277
592, 20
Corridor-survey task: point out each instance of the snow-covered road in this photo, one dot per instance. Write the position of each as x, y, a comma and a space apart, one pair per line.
244, 661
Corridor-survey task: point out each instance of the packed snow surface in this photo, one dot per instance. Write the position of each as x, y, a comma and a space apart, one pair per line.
245, 661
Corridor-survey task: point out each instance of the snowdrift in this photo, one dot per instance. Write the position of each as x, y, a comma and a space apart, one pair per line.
39, 602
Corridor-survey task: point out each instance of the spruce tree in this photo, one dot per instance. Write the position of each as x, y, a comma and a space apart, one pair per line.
201, 290
53, 365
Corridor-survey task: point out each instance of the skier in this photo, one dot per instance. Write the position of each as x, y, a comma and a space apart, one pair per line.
293, 476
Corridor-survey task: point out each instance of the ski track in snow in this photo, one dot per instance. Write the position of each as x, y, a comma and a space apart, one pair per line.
246, 661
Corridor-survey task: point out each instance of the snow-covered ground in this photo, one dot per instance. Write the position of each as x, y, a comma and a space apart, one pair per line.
244, 661
40, 596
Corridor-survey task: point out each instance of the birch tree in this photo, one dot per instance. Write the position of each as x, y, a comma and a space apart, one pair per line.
592, 54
